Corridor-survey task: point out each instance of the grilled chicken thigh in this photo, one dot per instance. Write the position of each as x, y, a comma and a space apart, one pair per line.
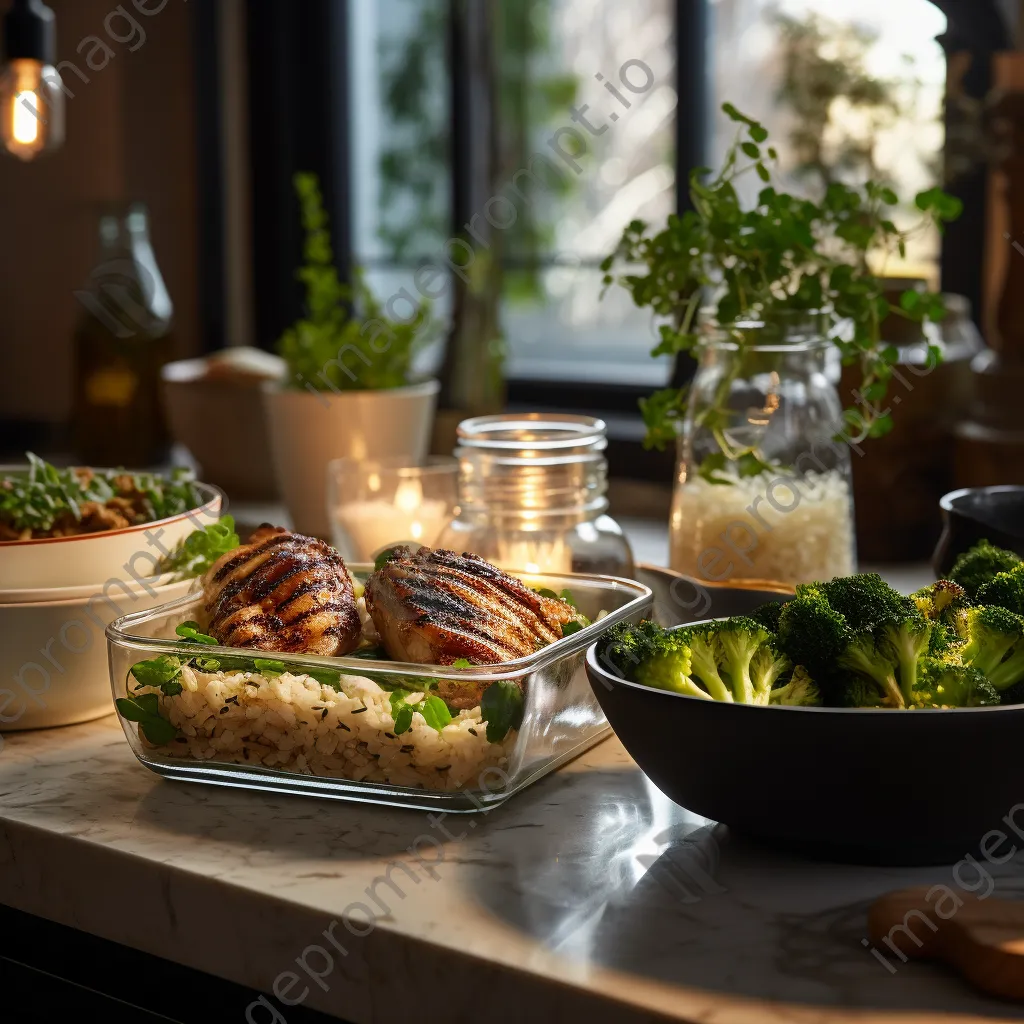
282, 592
434, 607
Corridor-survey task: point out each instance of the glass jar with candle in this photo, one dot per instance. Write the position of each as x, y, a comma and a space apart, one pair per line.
533, 495
374, 505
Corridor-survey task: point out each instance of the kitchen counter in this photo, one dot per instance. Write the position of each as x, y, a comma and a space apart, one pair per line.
587, 897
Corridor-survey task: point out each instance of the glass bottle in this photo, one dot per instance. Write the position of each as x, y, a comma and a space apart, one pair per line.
121, 343
763, 489
533, 495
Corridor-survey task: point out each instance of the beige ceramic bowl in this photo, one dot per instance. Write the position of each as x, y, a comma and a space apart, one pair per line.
80, 561
53, 655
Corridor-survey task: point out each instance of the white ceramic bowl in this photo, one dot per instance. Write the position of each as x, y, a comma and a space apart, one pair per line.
35, 595
53, 655
131, 554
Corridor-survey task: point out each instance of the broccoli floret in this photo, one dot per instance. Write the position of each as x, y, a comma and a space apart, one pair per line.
865, 600
945, 602
703, 644
856, 691
1005, 589
800, 691
739, 639
650, 655
863, 655
767, 667
906, 639
992, 632
626, 646
943, 684
768, 615
973, 569
811, 632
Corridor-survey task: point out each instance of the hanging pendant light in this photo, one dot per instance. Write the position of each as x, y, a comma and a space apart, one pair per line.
31, 98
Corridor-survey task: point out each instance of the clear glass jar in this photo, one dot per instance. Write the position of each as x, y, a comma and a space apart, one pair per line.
533, 495
763, 490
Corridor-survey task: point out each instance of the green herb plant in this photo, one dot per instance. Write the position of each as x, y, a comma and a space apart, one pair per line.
346, 341
782, 255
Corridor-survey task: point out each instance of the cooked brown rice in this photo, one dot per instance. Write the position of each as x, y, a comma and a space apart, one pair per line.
295, 723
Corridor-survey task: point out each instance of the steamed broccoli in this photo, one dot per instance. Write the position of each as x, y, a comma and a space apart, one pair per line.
1005, 589
748, 659
800, 691
811, 632
857, 691
945, 602
943, 684
992, 634
768, 615
973, 569
863, 656
733, 660
865, 600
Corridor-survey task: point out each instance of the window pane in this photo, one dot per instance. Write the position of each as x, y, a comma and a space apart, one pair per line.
849, 89
614, 160
400, 113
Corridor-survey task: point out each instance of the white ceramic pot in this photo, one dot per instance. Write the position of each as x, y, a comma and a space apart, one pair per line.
53, 654
81, 560
308, 430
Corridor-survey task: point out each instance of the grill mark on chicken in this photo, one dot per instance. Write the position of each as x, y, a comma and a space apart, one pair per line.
283, 592
435, 607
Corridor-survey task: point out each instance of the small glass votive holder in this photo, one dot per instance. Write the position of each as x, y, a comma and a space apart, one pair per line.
374, 504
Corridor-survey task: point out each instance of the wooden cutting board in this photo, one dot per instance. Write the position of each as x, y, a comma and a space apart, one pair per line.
982, 939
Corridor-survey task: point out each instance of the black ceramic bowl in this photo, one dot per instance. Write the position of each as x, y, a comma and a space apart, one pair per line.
979, 513
857, 785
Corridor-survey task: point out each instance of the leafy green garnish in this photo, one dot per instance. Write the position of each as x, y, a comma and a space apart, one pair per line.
267, 667
462, 663
403, 719
502, 709
145, 709
567, 597
568, 628
190, 631
326, 676
435, 712
384, 557
36, 498
200, 549
545, 592
159, 672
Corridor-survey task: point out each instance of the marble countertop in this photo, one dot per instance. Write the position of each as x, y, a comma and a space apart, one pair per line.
589, 896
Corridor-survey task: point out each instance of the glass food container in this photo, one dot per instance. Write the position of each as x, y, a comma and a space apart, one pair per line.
533, 495
342, 727
763, 490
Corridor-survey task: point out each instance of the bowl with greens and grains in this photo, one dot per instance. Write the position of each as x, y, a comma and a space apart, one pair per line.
886, 726
80, 527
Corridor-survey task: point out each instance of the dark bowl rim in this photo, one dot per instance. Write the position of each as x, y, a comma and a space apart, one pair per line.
595, 668
948, 500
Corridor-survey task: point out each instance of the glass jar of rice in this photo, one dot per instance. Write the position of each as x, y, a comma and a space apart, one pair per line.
763, 488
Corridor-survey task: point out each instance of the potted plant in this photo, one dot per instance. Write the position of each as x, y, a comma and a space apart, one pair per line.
350, 389
771, 296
